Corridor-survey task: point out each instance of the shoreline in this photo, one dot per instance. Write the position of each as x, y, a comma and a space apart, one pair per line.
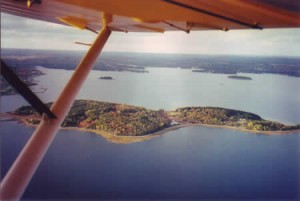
119, 139
132, 139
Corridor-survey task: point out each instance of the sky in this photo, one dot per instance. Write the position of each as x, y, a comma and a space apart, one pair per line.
17, 32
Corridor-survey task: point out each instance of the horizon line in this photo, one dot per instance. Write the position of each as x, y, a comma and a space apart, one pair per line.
169, 53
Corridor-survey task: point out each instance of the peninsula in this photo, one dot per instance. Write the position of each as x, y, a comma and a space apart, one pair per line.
27, 75
112, 119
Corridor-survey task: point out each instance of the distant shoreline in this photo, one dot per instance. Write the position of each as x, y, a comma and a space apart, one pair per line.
136, 62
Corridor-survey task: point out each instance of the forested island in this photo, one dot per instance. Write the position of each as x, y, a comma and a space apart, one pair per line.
238, 77
105, 78
127, 120
116, 119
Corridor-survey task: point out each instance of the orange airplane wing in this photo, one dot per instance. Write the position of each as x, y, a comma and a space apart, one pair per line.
161, 15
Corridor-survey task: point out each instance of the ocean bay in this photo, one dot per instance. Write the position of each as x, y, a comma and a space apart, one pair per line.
273, 97
196, 162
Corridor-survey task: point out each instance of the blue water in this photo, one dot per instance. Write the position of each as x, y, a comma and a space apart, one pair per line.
274, 97
189, 163
193, 163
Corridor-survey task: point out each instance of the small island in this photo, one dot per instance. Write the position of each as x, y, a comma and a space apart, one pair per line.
105, 78
238, 77
114, 120
199, 71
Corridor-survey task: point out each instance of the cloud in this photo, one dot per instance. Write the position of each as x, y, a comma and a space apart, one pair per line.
19, 32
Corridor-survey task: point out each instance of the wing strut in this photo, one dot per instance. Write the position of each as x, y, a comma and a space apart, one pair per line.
21, 172
24, 90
